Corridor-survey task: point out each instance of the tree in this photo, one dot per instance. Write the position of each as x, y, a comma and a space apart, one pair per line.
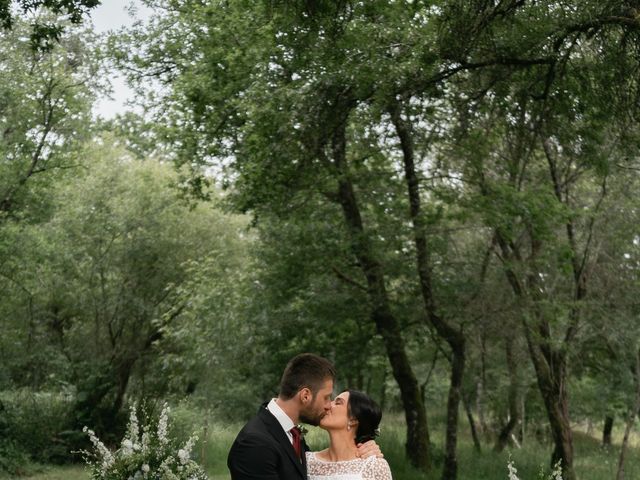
543, 186
45, 113
44, 32
409, 120
325, 148
111, 275
44, 119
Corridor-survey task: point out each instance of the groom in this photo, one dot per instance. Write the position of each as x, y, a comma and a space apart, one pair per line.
270, 446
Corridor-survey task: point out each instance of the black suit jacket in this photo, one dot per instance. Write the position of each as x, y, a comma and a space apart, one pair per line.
263, 451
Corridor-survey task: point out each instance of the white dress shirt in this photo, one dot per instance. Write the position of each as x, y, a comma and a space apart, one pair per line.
285, 421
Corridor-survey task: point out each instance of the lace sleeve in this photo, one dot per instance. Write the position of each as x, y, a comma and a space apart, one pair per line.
377, 470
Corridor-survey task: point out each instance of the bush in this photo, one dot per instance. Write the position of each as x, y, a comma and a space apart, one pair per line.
35, 426
12, 458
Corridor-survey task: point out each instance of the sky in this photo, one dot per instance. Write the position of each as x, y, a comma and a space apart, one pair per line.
111, 15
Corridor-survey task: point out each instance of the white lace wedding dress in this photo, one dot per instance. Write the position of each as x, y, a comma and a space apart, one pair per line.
371, 468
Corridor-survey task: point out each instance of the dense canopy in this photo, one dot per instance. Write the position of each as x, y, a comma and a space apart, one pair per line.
438, 196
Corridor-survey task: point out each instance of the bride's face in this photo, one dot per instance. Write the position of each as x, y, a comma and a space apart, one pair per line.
338, 417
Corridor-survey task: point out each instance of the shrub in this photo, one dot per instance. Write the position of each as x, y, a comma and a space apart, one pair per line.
12, 458
34, 424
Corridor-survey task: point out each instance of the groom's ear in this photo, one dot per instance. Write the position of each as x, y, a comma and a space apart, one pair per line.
305, 395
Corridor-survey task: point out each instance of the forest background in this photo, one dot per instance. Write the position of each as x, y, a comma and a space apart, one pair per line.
439, 196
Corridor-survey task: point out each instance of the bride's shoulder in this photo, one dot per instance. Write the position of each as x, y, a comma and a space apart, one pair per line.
378, 469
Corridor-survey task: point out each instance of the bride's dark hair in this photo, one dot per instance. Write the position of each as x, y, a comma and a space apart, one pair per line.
367, 413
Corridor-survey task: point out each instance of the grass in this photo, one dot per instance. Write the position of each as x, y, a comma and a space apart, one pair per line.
591, 461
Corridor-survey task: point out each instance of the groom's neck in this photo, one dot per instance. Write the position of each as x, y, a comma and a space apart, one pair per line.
291, 408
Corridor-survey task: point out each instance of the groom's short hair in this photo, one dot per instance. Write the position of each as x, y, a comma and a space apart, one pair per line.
305, 370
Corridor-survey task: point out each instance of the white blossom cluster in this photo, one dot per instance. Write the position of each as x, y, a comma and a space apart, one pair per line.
144, 454
556, 473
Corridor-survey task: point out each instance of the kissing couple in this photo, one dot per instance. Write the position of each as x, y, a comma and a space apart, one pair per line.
271, 447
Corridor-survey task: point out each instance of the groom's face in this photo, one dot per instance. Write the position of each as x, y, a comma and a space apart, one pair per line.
319, 405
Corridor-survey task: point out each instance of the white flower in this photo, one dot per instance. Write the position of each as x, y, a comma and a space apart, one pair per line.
183, 455
512, 471
126, 448
162, 425
102, 452
146, 441
133, 430
152, 444
556, 473
185, 452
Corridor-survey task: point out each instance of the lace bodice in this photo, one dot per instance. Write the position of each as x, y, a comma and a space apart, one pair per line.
371, 468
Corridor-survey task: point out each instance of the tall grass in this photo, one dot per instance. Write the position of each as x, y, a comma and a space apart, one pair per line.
591, 461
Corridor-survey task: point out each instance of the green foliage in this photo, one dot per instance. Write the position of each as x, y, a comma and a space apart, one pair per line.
119, 262
13, 460
45, 114
45, 32
514, 153
119, 281
34, 427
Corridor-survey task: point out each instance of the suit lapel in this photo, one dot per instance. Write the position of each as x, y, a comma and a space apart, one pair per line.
276, 431
305, 448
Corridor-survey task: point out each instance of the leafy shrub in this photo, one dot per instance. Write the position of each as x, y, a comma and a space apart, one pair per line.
12, 458
34, 424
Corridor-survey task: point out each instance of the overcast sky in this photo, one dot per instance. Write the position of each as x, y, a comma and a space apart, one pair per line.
111, 15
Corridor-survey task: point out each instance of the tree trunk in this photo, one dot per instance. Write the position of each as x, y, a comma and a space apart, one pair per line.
417, 445
523, 420
505, 434
90, 407
480, 408
631, 419
514, 412
450, 469
472, 425
549, 364
625, 443
552, 377
606, 431
449, 333
123, 370
383, 390
425, 384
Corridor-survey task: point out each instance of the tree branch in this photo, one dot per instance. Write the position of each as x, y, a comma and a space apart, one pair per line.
348, 280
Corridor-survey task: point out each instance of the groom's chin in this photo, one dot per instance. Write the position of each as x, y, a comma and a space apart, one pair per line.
314, 422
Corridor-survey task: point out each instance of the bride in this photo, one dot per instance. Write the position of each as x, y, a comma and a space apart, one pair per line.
354, 418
